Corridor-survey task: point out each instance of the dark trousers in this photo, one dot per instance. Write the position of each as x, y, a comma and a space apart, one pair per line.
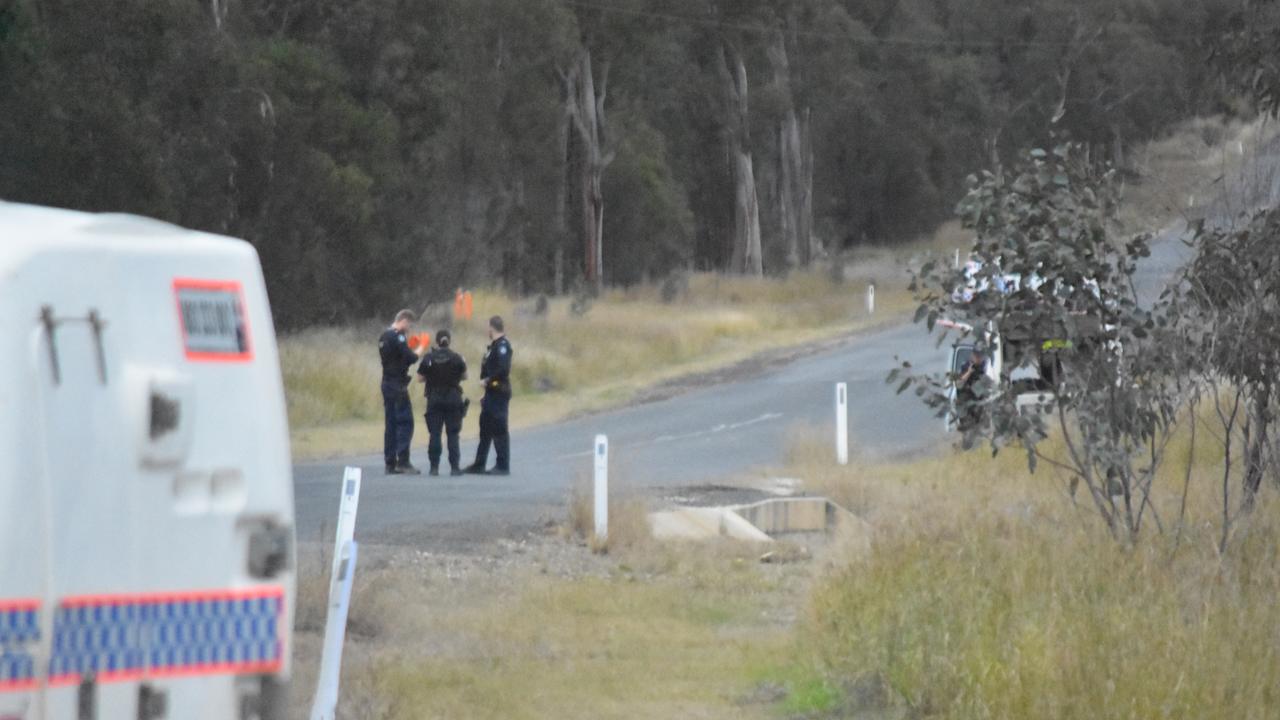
398, 433
447, 416
493, 430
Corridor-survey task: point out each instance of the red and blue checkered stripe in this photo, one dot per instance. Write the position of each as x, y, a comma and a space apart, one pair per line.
19, 632
123, 637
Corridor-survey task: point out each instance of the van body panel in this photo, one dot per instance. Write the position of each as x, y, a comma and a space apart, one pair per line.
137, 468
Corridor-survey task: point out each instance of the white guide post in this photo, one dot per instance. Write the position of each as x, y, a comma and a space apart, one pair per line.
842, 423
957, 265
347, 508
325, 704
602, 488
871, 299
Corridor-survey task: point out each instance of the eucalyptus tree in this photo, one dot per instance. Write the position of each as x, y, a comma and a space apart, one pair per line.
1050, 283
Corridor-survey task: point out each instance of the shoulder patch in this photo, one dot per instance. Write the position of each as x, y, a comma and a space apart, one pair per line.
401, 338
502, 350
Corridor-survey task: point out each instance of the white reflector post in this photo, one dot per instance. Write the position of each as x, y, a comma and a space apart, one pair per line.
347, 508
325, 705
871, 299
842, 423
602, 488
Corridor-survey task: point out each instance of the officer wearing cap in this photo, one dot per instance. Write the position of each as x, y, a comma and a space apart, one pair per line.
495, 374
442, 371
397, 358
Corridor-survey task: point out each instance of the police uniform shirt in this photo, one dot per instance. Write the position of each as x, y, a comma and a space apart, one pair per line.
397, 358
496, 369
443, 370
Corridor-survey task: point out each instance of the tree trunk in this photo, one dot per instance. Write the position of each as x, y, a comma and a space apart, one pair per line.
219, 9
587, 112
1256, 448
747, 251
592, 214
520, 238
786, 196
747, 256
561, 224
795, 164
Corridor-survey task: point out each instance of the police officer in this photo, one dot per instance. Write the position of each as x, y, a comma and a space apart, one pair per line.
442, 371
970, 412
397, 358
495, 374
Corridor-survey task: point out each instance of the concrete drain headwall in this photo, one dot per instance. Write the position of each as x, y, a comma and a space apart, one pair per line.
755, 521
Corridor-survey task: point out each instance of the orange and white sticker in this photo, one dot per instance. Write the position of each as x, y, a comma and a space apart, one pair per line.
214, 320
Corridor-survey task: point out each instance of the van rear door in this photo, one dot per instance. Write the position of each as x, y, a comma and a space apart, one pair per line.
91, 649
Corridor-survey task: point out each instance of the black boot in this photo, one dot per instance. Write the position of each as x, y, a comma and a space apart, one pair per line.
502, 444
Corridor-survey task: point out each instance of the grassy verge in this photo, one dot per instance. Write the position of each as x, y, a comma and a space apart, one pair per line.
546, 628
569, 362
990, 594
1202, 167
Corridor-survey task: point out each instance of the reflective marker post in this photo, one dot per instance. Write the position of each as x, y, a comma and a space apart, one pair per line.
871, 299
325, 705
842, 423
602, 488
347, 508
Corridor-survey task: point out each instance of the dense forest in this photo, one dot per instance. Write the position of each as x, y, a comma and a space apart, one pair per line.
382, 152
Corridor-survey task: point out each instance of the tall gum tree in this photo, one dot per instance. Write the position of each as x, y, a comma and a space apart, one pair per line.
795, 160
585, 106
731, 68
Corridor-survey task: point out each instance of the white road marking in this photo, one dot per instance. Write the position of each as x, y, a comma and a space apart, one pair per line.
687, 436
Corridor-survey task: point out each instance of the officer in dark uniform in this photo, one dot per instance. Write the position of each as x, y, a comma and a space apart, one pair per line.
442, 371
495, 374
967, 400
397, 358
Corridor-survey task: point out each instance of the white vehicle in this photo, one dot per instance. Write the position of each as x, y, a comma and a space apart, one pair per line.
1032, 392
146, 500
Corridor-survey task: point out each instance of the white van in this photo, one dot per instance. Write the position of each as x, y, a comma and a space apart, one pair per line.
1032, 391
146, 500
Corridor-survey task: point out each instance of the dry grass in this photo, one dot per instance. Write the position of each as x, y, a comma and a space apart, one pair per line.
567, 363
989, 594
628, 519
1199, 168
659, 631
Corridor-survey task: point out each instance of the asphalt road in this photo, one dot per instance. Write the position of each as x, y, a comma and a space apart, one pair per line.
716, 434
